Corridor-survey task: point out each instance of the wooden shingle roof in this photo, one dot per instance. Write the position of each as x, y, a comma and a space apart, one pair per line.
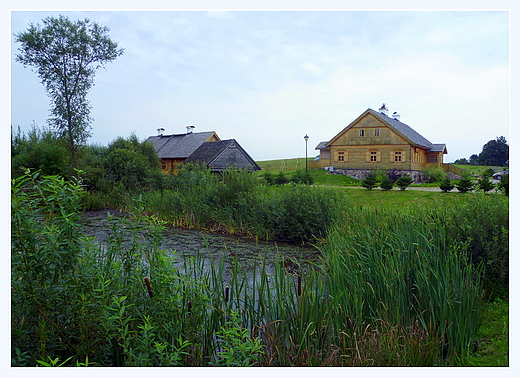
221, 155
179, 145
412, 136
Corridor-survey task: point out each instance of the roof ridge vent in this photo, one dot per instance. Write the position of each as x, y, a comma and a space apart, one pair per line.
396, 116
160, 131
383, 109
189, 129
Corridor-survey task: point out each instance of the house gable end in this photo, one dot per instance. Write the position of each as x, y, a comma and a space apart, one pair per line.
221, 155
371, 119
367, 130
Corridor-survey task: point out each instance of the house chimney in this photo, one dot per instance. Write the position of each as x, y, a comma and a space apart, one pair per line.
160, 131
396, 116
383, 109
189, 129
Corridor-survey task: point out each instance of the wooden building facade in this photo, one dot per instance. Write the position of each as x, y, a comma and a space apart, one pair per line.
376, 141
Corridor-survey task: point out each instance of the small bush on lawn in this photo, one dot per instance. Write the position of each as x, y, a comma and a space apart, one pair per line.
485, 184
464, 185
386, 183
404, 182
446, 185
280, 179
370, 181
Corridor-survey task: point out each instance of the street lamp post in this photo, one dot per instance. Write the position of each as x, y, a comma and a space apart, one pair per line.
306, 137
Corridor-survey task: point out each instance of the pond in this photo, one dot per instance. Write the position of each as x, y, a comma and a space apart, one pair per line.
181, 243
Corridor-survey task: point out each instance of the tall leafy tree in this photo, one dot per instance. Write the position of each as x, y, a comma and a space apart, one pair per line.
494, 152
66, 54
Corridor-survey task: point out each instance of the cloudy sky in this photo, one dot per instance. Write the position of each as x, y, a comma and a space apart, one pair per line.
267, 78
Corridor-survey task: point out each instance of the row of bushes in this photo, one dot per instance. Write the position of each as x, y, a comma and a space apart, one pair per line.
237, 201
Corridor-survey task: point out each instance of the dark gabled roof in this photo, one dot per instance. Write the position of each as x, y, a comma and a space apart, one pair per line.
406, 131
401, 128
441, 147
209, 152
322, 146
179, 145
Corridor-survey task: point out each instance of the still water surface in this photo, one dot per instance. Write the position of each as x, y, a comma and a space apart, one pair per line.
182, 243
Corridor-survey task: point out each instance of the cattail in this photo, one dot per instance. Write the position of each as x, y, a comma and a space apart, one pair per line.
349, 322
227, 294
148, 286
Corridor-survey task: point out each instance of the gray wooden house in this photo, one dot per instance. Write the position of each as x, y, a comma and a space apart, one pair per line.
202, 148
218, 156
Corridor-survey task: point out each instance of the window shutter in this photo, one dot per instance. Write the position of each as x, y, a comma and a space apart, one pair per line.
378, 157
403, 156
368, 156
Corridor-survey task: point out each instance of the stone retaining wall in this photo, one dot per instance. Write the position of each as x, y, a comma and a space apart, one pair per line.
361, 174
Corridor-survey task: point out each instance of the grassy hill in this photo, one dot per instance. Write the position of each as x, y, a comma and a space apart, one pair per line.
478, 170
290, 166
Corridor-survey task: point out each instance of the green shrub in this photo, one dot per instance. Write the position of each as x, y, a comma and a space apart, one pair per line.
465, 185
483, 223
45, 250
370, 181
485, 184
434, 174
404, 182
280, 179
132, 163
299, 213
446, 185
39, 149
238, 348
268, 177
386, 183
302, 177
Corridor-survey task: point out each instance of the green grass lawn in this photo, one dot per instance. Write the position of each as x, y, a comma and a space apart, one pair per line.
478, 170
290, 166
492, 347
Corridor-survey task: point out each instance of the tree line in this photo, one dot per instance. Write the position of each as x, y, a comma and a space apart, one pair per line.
494, 153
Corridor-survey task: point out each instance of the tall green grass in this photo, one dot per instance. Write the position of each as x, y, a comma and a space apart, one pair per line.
402, 269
